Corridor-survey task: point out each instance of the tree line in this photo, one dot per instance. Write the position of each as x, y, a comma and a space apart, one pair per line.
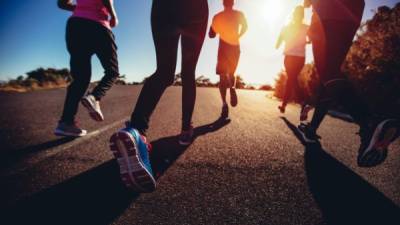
372, 65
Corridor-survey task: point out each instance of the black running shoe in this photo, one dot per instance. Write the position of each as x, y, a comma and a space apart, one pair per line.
234, 98
225, 112
375, 140
69, 130
186, 137
282, 108
309, 134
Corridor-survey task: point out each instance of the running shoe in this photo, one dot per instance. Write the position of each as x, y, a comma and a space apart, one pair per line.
375, 140
282, 108
309, 134
69, 130
186, 137
225, 111
305, 109
131, 150
234, 98
93, 106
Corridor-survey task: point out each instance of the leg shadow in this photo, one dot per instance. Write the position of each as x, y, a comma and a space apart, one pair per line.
343, 196
98, 195
15, 155
94, 197
167, 150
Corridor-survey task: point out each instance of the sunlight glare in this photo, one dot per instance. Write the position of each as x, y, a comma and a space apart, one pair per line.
273, 13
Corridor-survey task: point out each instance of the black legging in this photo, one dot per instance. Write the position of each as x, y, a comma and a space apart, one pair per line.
330, 48
84, 39
173, 20
293, 66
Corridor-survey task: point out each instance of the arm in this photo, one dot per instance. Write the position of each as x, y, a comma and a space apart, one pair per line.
109, 4
308, 37
212, 33
280, 40
243, 26
66, 5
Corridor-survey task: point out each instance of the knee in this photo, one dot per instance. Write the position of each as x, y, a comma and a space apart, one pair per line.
113, 73
223, 81
165, 80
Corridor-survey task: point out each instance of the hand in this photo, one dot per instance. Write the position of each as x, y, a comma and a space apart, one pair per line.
114, 21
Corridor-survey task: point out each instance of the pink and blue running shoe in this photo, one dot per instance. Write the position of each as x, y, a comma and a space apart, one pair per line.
131, 150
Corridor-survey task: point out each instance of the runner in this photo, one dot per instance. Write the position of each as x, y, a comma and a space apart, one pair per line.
334, 25
171, 20
295, 37
88, 32
230, 25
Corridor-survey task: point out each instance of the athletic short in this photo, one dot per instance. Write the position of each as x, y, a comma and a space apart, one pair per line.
228, 58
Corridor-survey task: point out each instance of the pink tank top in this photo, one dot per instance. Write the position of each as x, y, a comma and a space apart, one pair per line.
92, 10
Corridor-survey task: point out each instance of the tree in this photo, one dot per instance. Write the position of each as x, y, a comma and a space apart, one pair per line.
240, 84
265, 87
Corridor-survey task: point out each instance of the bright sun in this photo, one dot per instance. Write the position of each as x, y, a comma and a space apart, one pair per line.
273, 12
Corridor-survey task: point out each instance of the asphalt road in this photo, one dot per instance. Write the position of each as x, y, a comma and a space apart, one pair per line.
251, 170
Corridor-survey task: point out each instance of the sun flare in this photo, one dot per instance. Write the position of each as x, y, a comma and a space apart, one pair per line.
273, 12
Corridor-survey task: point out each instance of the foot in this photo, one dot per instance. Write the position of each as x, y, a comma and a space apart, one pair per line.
309, 134
305, 109
234, 98
186, 137
69, 130
132, 153
375, 140
93, 106
282, 108
225, 111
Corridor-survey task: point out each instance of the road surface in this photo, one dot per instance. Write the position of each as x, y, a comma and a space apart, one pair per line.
251, 170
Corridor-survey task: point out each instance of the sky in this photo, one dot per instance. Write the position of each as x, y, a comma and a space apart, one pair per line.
32, 35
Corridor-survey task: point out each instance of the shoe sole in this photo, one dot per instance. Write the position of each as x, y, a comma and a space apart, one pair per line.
234, 98
132, 171
185, 143
385, 133
92, 112
61, 133
307, 140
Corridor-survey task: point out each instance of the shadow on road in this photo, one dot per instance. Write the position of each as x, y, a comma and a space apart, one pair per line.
167, 150
98, 195
11, 157
93, 197
343, 196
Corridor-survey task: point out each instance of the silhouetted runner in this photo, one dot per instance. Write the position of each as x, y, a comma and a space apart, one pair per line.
171, 21
230, 25
334, 25
88, 33
295, 37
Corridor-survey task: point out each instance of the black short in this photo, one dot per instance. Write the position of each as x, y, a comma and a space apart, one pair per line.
228, 58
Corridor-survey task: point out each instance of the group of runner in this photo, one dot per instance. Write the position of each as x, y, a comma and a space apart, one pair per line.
332, 30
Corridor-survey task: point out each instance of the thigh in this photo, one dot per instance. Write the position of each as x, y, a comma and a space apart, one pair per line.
166, 37
293, 66
192, 42
331, 46
77, 36
340, 36
106, 50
